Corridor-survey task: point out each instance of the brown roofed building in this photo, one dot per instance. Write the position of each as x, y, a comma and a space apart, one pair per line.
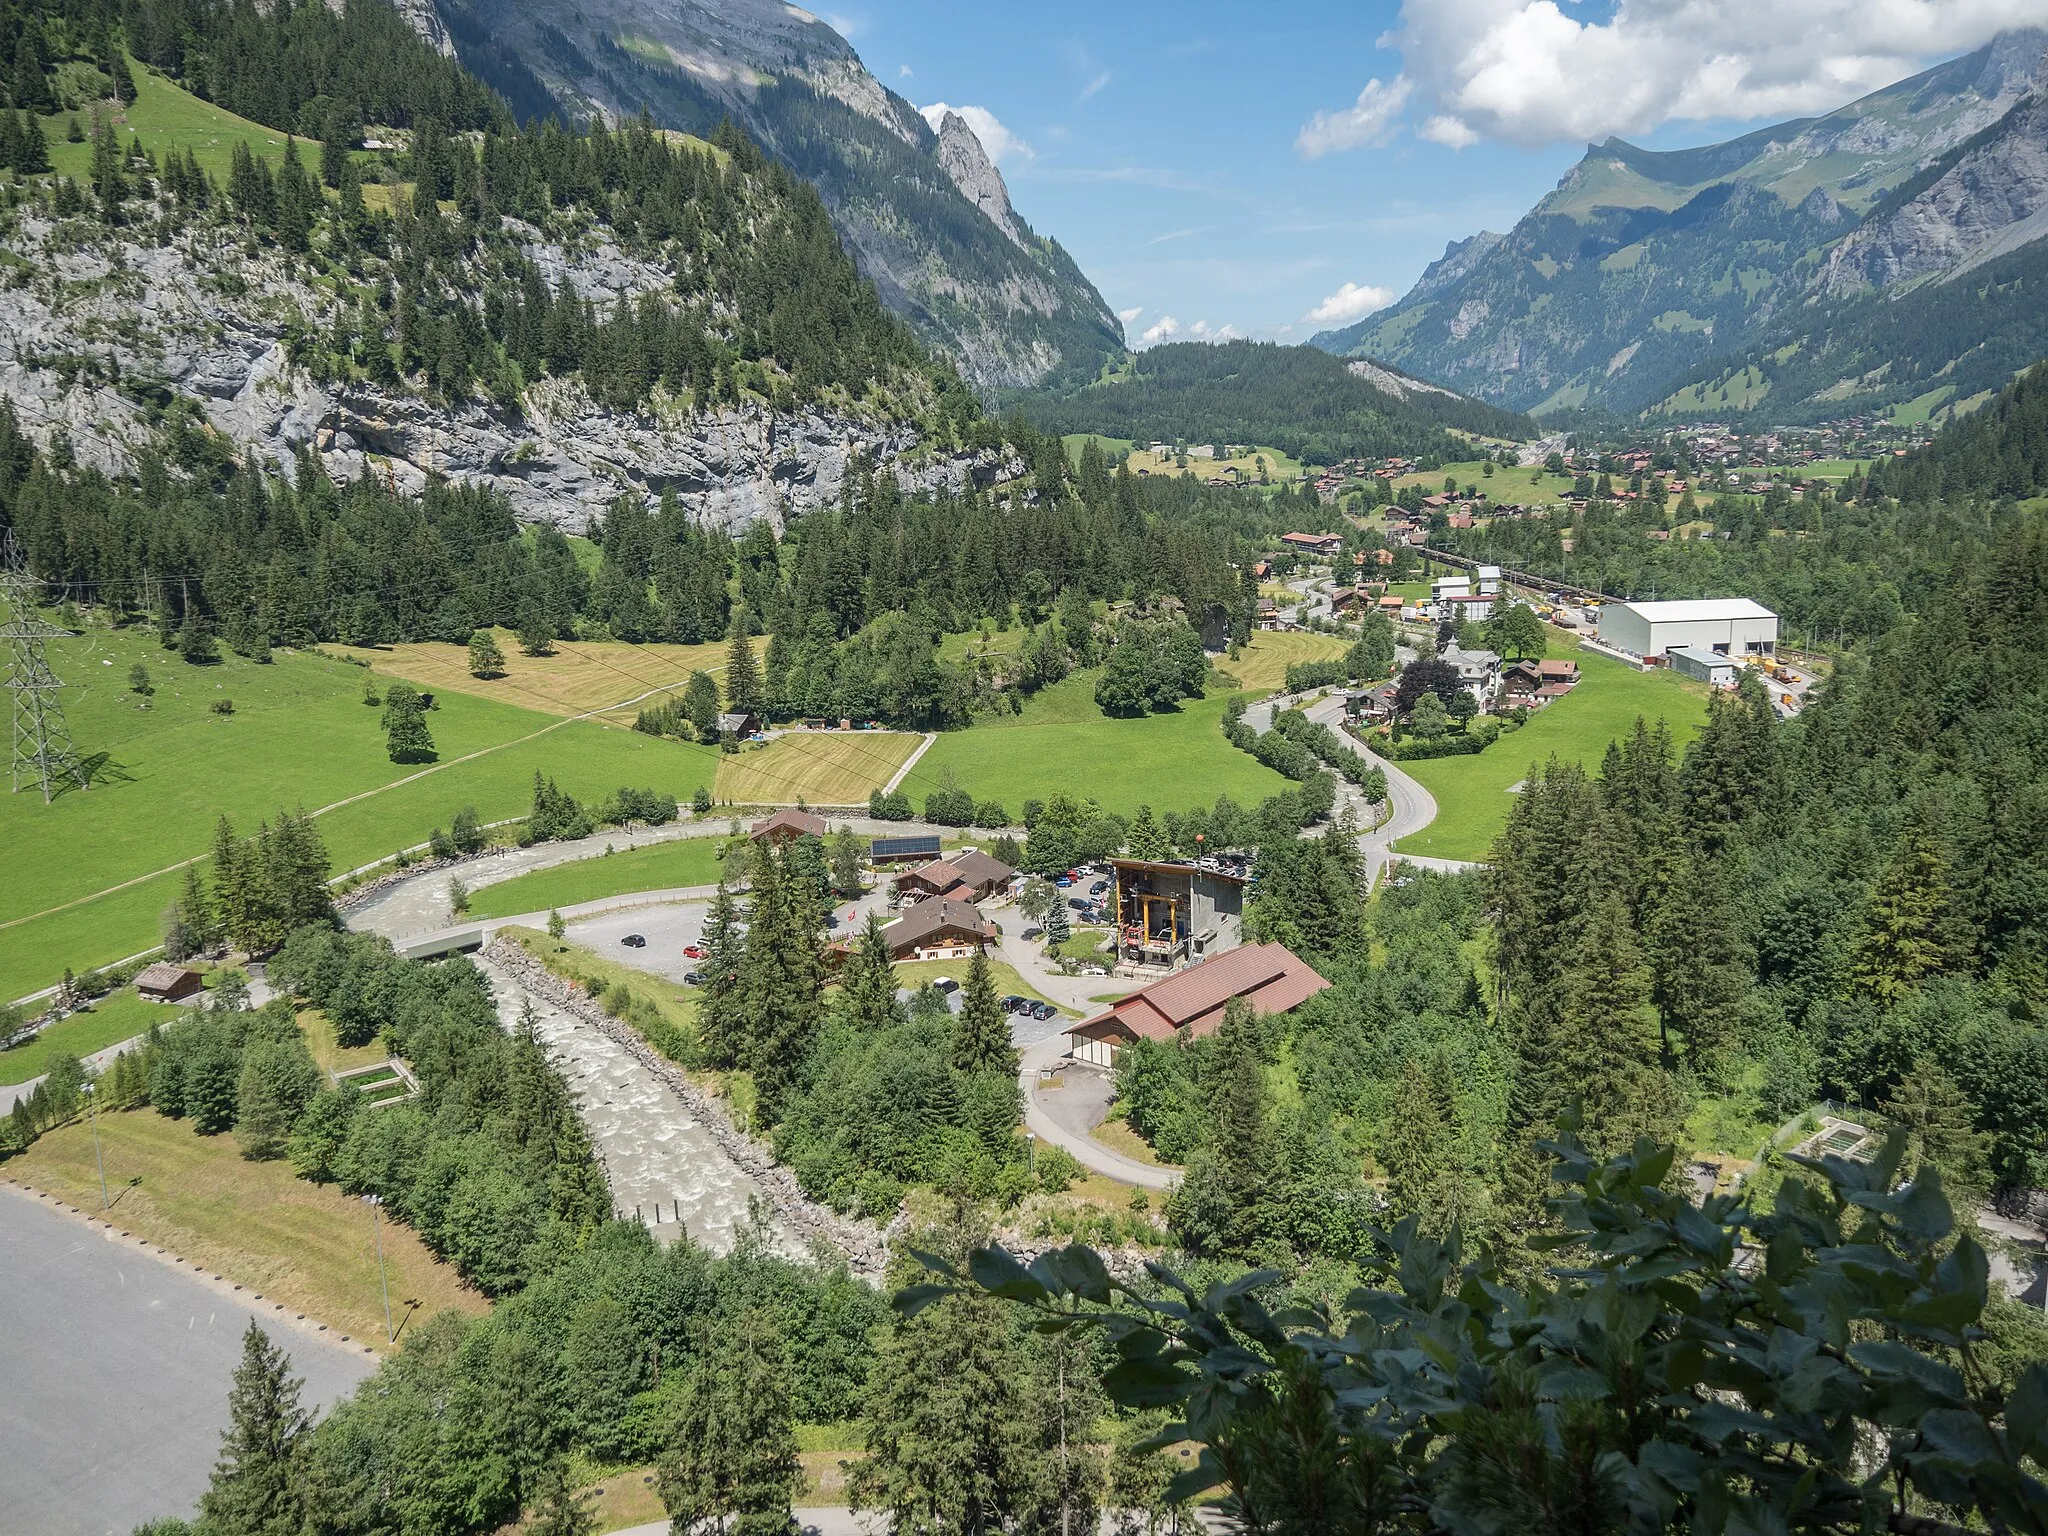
1555, 671
787, 827
166, 983
939, 929
1269, 976
969, 875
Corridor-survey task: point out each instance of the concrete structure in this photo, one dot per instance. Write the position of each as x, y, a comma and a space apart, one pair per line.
787, 827
1706, 666
1727, 626
1269, 976
1468, 607
939, 929
166, 983
1450, 586
969, 875
1167, 914
1488, 577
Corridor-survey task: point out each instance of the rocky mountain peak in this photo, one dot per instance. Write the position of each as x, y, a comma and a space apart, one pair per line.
966, 163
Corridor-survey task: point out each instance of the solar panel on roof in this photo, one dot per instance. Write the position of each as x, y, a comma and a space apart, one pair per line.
900, 847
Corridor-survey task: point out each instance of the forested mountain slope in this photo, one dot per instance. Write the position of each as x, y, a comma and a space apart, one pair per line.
1297, 399
562, 316
1647, 271
1008, 304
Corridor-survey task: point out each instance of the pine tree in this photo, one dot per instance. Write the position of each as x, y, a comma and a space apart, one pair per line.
1941, 1127
981, 1031
1604, 1047
1696, 964
732, 1460
1910, 929
781, 983
485, 659
234, 904
867, 982
257, 1487
1147, 840
720, 1025
943, 1420
743, 691
1422, 1179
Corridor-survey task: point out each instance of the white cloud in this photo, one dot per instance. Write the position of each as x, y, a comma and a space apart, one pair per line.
1529, 72
1201, 330
1128, 315
1354, 301
1096, 84
1368, 120
903, 72
846, 26
1163, 329
1000, 143
1449, 130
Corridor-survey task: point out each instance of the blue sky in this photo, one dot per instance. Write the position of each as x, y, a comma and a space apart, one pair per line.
1230, 169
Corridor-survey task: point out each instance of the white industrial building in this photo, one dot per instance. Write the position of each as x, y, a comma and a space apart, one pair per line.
1706, 666
1727, 626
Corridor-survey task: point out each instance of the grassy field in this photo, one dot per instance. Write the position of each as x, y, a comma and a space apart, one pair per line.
299, 736
169, 118
1523, 485
308, 1246
1262, 665
582, 676
1063, 744
1279, 467
116, 1017
825, 768
1472, 793
666, 866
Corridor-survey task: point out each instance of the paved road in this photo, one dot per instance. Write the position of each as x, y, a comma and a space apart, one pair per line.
115, 1367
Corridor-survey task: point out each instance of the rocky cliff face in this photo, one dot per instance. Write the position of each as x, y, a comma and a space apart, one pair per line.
1988, 198
96, 329
926, 217
965, 161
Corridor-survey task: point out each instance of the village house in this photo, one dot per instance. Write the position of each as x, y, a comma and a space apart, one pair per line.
916, 848
738, 724
969, 875
940, 928
1478, 672
787, 826
1268, 976
1314, 543
166, 983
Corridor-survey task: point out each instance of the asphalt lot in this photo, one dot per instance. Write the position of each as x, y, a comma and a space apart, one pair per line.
114, 1369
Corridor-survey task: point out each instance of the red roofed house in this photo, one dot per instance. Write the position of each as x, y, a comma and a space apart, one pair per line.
1268, 975
969, 875
787, 827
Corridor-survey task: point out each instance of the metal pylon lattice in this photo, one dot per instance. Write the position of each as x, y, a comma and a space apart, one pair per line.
43, 754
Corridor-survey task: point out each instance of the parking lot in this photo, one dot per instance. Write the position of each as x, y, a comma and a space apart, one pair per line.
116, 1368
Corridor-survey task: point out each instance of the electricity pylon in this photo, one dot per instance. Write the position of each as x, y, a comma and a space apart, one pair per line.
43, 753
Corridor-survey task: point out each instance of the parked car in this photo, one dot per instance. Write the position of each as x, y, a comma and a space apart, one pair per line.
1078, 903
634, 941
1043, 1011
693, 951
1013, 1002
1098, 888
945, 984
692, 979
1064, 881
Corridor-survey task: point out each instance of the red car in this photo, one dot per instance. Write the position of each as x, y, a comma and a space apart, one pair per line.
693, 952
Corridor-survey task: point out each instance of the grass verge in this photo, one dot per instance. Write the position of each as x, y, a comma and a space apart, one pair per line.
664, 866
306, 1245
835, 768
116, 1017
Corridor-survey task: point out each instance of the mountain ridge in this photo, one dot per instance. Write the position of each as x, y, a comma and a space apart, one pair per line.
959, 262
1642, 268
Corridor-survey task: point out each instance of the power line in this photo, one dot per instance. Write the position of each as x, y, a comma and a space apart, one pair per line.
43, 753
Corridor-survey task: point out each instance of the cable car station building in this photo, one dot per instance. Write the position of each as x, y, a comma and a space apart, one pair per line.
1167, 915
